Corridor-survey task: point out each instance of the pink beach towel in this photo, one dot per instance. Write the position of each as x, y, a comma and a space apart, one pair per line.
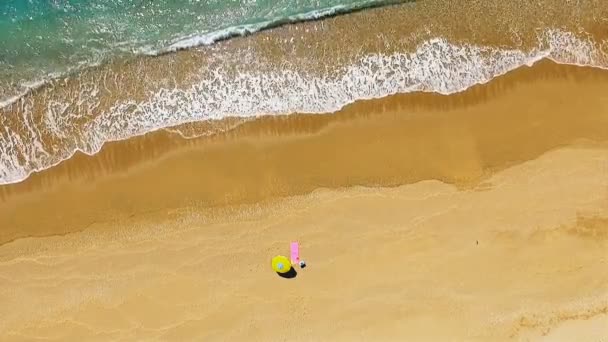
295, 253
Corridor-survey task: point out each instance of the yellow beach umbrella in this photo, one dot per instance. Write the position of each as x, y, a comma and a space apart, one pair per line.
281, 264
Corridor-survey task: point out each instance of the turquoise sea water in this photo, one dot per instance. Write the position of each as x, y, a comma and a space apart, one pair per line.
41, 37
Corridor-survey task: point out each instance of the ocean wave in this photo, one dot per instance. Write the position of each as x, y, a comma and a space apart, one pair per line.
25, 87
243, 30
436, 65
189, 41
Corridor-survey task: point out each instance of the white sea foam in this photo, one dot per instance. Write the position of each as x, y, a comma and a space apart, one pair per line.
241, 30
436, 66
28, 86
187, 41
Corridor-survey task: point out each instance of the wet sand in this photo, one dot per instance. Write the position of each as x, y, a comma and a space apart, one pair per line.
460, 139
426, 44
476, 216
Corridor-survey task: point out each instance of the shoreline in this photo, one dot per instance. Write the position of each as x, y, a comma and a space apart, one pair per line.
480, 215
239, 31
201, 129
259, 74
484, 213
457, 139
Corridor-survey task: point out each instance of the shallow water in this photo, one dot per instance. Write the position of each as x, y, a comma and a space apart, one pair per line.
49, 37
311, 67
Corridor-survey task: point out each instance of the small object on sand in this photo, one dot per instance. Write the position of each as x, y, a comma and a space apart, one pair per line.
295, 253
302, 264
281, 264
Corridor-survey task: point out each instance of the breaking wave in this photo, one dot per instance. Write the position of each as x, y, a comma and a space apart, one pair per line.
436, 65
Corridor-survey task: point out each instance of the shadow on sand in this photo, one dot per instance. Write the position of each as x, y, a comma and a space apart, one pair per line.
292, 273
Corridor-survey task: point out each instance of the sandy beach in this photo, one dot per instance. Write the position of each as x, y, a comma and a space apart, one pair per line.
479, 216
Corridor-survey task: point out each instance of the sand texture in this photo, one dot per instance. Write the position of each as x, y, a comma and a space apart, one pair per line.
523, 256
480, 216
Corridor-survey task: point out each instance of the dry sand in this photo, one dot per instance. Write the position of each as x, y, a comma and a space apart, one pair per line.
494, 227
